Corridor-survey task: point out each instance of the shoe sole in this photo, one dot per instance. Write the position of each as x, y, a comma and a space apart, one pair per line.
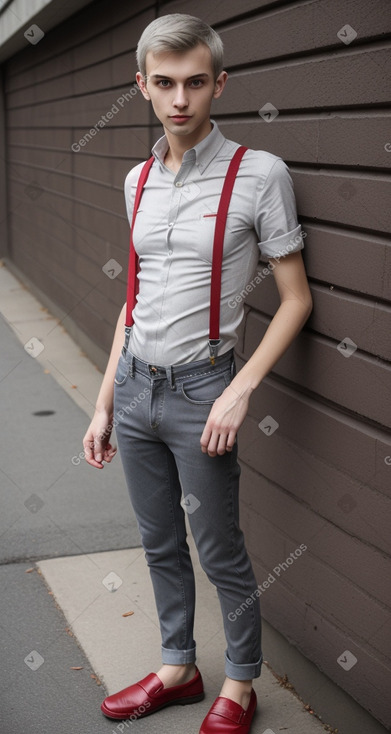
178, 701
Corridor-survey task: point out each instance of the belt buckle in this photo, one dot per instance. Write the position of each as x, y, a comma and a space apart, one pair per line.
153, 370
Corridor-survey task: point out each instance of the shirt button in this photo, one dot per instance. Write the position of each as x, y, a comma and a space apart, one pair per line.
171, 224
179, 184
170, 252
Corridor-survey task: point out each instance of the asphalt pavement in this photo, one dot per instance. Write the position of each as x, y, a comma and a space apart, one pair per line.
52, 505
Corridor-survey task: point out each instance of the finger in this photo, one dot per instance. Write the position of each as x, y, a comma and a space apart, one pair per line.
88, 452
213, 444
89, 449
222, 444
109, 453
231, 440
98, 449
205, 438
92, 461
90, 455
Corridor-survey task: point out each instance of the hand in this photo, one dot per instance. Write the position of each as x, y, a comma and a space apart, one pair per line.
96, 442
225, 418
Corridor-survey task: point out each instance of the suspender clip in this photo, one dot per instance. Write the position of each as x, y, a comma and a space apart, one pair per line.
127, 336
213, 349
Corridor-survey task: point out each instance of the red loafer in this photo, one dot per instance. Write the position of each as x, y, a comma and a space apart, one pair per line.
228, 717
149, 695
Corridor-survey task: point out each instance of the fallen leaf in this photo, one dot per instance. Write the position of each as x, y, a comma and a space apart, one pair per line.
128, 614
76, 667
29, 570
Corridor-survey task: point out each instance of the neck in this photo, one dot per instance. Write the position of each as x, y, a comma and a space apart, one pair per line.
178, 145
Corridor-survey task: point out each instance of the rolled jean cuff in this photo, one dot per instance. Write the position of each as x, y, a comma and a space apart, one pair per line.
178, 657
242, 672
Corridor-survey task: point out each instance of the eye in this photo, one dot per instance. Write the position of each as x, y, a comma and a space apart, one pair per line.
197, 83
164, 83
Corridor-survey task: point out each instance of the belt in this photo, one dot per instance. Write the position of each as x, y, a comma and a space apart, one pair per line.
178, 371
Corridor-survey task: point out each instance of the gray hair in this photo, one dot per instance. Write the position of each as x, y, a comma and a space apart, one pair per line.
178, 32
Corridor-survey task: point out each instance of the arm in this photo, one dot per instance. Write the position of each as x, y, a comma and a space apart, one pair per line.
229, 410
96, 442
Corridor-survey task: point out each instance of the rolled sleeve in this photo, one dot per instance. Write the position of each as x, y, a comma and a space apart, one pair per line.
275, 214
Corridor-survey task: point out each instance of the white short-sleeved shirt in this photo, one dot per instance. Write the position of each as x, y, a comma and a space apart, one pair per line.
173, 237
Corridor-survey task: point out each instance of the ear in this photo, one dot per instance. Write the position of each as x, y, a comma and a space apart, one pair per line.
220, 84
142, 85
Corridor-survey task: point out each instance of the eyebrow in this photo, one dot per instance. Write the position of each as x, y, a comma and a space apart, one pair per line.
165, 76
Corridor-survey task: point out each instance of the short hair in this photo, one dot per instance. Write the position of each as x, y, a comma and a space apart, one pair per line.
178, 32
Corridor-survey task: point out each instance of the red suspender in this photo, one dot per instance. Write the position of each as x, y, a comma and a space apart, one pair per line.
133, 259
218, 245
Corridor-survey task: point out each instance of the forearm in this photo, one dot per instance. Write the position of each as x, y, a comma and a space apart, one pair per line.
229, 410
105, 398
282, 330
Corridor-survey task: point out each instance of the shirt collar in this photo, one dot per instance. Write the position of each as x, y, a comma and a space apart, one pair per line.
202, 153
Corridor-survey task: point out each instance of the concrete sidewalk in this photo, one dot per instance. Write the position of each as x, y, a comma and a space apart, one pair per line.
66, 639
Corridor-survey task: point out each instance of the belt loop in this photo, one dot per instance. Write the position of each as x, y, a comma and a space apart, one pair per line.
131, 366
170, 377
233, 366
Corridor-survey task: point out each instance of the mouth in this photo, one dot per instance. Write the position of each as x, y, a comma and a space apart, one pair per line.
179, 118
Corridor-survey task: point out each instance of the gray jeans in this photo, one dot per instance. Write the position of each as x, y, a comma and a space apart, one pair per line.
161, 413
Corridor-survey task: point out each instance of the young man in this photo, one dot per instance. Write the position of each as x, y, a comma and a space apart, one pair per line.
178, 410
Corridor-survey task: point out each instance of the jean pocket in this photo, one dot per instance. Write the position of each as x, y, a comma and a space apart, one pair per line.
122, 372
205, 389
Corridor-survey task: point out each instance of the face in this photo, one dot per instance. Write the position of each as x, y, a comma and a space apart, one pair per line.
181, 87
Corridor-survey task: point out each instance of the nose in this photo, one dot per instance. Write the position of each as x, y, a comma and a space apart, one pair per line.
180, 99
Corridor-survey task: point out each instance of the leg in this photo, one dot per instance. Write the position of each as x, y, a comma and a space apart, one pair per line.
212, 485
155, 493
223, 556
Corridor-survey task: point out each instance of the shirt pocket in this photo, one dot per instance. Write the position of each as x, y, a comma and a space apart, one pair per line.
235, 232
205, 235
